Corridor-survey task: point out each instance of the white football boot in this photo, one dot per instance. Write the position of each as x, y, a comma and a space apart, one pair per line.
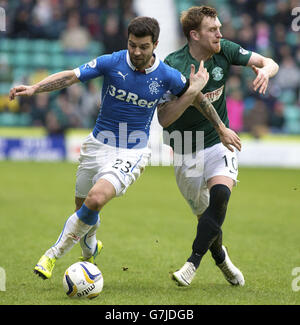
231, 273
185, 275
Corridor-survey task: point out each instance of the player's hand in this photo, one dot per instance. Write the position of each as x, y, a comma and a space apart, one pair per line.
198, 80
21, 90
229, 138
261, 81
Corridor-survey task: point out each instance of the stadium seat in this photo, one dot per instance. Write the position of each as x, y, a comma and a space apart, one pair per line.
21, 45
6, 45
5, 58
55, 47
39, 46
292, 38
95, 49
9, 119
292, 119
24, 119
19, 73
56, 61
20, 59
4, 88
39, 60
74, 61
183, 5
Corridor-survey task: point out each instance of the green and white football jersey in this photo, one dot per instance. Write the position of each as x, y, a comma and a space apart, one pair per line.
218, 67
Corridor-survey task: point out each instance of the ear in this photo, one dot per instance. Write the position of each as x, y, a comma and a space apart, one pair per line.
155, 45
194, 35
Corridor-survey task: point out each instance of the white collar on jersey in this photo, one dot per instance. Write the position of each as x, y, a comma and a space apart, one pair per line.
148, 70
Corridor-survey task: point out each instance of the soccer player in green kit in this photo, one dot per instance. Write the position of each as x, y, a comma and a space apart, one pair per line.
208, 191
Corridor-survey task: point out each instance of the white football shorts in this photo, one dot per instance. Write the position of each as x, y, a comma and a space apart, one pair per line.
120, 166
194, 172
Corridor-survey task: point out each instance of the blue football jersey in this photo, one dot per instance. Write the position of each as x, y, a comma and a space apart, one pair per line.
129, 97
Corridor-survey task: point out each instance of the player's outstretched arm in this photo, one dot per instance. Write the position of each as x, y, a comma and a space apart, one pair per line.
55, 81
264, 68
170, 111
227, 136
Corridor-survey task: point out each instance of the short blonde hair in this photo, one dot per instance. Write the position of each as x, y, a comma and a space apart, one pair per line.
191, 19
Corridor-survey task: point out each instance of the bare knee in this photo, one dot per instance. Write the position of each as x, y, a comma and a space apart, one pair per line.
99, 195
95, 200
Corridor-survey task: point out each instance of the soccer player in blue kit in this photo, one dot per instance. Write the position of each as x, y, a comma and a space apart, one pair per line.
114, 155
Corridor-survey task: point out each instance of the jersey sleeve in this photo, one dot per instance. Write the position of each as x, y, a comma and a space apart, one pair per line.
179, 83
94, 68
235, 54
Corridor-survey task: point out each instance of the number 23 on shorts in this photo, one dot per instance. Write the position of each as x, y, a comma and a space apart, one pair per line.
122, 165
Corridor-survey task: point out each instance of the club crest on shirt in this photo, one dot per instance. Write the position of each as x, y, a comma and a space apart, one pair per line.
154, 85
217, 73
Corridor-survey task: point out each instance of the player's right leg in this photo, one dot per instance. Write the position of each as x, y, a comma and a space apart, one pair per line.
85, 218
190, 181
210, 223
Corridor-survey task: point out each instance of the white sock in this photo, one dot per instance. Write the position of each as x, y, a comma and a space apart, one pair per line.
88, 242
74, 229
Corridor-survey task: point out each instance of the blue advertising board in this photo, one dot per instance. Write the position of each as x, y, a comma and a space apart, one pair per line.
38, 149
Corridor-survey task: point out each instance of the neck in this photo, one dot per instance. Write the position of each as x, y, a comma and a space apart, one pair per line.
148, 65
197, 53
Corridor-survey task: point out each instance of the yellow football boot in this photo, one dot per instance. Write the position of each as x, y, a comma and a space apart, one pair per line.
93, 257
44, 267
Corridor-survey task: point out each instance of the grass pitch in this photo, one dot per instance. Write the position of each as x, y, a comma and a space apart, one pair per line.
147, 234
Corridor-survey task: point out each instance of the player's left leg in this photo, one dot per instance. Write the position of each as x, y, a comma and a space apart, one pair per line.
219, 252
90, 246
227, 183
85, 219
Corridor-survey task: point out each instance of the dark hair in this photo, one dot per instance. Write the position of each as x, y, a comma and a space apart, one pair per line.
144, 26
191, 19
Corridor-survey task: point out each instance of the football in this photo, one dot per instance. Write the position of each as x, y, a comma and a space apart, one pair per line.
83, 280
